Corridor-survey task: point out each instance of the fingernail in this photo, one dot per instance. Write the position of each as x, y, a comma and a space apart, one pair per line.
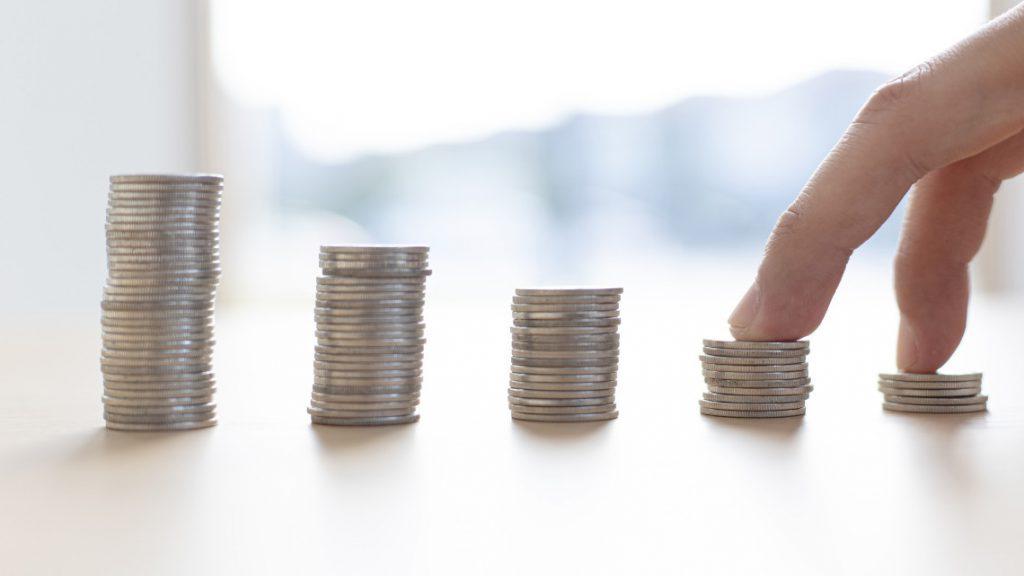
746, 311
906, 347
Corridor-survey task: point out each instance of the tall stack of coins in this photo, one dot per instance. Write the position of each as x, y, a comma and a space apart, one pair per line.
565, 354
755, 379
157, 309
368, 365
932, 393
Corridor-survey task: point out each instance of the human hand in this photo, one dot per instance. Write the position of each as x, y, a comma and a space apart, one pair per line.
952, 129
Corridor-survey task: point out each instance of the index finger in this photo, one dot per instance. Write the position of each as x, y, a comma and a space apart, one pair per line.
957, 104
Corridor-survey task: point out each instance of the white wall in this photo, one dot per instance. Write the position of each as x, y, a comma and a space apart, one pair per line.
87, 89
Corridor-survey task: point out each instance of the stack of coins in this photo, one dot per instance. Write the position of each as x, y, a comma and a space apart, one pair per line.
157, 309
755, 379
565, 354
369, 321
932, 393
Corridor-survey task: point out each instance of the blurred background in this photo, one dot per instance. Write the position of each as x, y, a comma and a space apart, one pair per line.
644, 143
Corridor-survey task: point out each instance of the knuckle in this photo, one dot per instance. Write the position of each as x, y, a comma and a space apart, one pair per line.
900, 92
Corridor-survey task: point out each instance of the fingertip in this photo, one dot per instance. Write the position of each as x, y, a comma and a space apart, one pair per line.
745, 313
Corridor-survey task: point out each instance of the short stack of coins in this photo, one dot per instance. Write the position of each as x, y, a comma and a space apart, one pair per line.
565, 354
157, 310
368, 364
932, 393
755, 379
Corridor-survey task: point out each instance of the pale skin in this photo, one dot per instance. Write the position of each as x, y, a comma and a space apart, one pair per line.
949, 132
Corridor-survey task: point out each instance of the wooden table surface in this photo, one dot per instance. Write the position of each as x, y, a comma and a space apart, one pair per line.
846, 489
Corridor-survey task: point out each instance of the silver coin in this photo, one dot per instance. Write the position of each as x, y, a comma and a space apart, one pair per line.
141, 336
582, 315
194, 410
168, 178
739, 361
918, 385
353, 322
532, 324
339, 371
355, 260
158, 402
414, 353
566, 418
181, 195
565, 339
754, 375
327, 379
163, 242
319, 420
143, 394
367, 366
934, 409
372, 273
164, 427
370, 283
797, 390
166, 361
955, 392
389, 312
757, 383
370, 301
165, 193
962, 401
343, 337
129, 343
907, 377
375, 350
157, 379
157, 355
401, 398
322, 413
564, 386
566, 354
735, 399
564, 331
368, 391
571, 299
563, 402
375, 249
520, 377
406, 330
373, 257
156, 370
367, 343
561, 394
380, 291
171, 212
751, 345
153, 298
751, 407
568, 349
609, 369
330, 266
339, 409
583, 362
756, 369
563, 308
561, 410
159, 420
569, 291
753, 413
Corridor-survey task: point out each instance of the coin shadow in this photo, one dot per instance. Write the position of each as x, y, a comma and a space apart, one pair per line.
772, 429
561, 431
102, 443
338, 439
